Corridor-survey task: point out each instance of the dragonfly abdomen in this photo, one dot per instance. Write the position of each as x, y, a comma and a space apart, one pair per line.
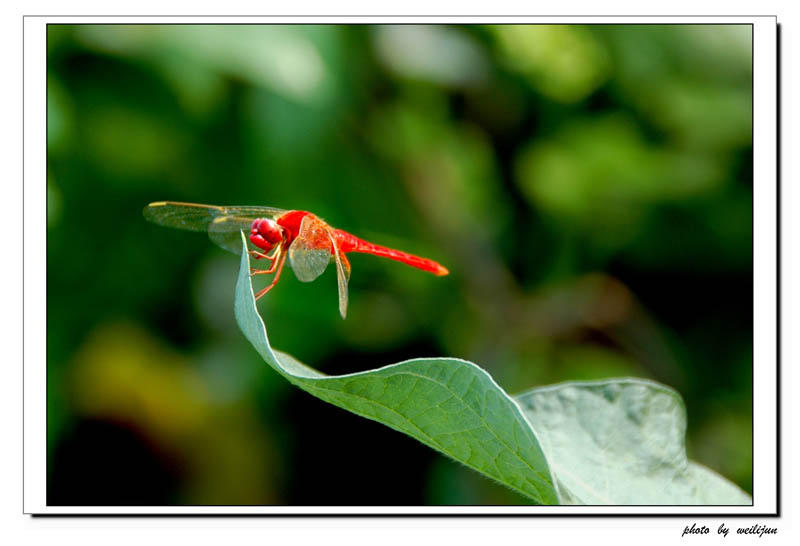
350, 243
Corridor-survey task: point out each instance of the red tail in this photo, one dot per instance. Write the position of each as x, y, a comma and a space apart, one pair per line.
351, 243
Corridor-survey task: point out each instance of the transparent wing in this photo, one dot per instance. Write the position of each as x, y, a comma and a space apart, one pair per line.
222, 223
224, 231
195, 217
311, 250
342, 277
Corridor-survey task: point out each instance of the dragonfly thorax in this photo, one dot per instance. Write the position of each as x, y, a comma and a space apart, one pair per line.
265, 233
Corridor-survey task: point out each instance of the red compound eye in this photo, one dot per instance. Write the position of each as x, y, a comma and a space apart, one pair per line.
270, 230
265, 233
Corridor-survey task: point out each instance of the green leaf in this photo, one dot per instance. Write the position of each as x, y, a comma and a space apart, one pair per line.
621, 441
618, 441
448, 404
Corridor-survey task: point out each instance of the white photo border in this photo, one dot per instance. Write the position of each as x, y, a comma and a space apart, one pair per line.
765, 274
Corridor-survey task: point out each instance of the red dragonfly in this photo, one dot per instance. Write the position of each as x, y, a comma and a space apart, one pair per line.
307, 240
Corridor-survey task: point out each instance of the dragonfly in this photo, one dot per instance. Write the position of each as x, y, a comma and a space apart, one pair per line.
306, 240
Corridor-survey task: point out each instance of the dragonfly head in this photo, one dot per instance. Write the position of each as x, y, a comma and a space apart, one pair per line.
265, 233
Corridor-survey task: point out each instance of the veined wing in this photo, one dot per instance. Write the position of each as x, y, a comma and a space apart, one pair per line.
196, 217
311, 250
224, 231
222, 223
342, 276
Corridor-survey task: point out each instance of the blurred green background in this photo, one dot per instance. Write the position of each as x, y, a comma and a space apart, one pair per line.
589, 188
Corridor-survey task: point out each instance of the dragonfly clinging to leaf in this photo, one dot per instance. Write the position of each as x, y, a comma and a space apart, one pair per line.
305, 239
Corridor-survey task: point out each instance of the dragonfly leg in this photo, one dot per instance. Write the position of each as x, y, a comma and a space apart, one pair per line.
279, 264
275, 258
258, 255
